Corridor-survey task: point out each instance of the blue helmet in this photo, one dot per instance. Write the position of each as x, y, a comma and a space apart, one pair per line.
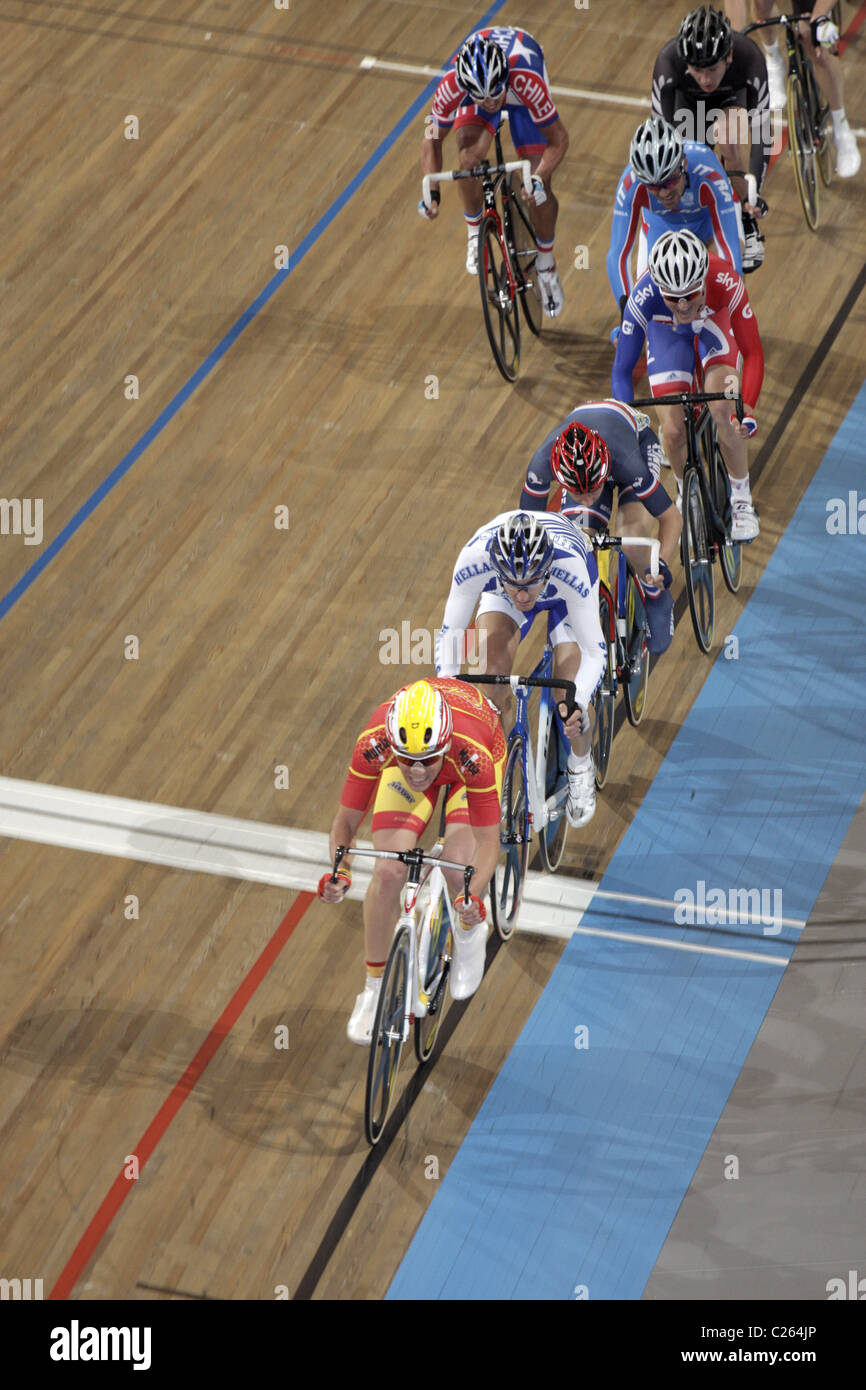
521, 551
481, 68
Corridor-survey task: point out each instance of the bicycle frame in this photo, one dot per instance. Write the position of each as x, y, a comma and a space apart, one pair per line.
409, 895
695, 431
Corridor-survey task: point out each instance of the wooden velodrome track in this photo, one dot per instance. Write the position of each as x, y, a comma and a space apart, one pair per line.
259, 647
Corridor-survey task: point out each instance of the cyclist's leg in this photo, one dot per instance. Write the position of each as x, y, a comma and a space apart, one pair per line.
400, 815
670, 368
720, 357
473, 131
828, 71
530, 143
580, 807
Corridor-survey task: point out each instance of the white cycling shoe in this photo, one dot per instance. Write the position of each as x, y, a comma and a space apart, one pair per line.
359, 1029
744, 525
552, 298
472, 255
467, 966
847, 154
580, 806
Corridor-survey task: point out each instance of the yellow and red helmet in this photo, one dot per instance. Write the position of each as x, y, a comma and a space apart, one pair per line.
419, 723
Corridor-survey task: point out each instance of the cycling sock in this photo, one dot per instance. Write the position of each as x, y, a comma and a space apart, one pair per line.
740, 490
473, 222
578, 763
375, 970
544, 260
839, 120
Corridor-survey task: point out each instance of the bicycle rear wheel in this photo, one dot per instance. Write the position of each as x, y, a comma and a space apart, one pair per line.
730, 555
604, 698
697, 563
525, 253
551, 841
803, 151
434, 986
637, 653
387, 1043
501, 315
506, 886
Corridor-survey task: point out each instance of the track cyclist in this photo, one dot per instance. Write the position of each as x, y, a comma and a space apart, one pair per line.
519, 565
669, 182
599, 447
821, 36
500, 68
690, 307
709, 66
430, 734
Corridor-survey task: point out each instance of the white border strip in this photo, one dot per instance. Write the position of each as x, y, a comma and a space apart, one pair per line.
274, 854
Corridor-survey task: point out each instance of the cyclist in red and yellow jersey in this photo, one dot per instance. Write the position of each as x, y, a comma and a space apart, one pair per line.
431, 734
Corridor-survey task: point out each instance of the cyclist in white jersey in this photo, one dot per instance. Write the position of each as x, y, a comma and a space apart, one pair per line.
516, 566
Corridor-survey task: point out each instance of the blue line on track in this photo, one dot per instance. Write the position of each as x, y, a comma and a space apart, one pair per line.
572, 1173
77, 521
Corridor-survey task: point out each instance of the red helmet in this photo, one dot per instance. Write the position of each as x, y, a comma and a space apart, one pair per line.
580, 459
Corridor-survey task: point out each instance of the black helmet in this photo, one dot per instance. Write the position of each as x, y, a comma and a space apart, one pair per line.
705, 37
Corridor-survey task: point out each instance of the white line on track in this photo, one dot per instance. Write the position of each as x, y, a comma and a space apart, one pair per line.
370, 63
282, 857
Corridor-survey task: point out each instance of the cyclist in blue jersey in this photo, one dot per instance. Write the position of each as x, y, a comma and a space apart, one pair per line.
600, 446
669, 183
519, 565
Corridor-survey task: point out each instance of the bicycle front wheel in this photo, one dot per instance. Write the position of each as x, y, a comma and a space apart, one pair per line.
389, 1029
697, 563
731, 555
605, 696
551, 841
525, 253
637, 653
506, 886
434, 986
501, 316
803, 151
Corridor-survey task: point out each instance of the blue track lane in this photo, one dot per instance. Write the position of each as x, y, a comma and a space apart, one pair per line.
570, 1177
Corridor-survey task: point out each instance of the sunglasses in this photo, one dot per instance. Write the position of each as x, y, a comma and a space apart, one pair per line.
677, 298
524, 588
668, 183
418, 762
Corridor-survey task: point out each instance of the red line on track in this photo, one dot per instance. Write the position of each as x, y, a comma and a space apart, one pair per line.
122, 1186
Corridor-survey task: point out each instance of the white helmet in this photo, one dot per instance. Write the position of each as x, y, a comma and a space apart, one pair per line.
678, 263
656, 151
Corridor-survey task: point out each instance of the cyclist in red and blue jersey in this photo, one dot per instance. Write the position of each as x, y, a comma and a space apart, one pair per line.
599, 447
500, 68
691, 309
669, 183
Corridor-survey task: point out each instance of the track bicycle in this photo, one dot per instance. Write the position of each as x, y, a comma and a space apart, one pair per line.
507, 251
810, 124
414, 985
534, 787
622, 612
706, 534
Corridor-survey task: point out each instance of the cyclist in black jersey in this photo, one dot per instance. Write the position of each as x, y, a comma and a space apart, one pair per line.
712, 85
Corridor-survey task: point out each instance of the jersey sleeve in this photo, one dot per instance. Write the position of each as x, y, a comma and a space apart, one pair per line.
466, 588
447, 100
630, 198
629, 346
664, 87
369, 756
539, 475
719, 203
585, 623
758, 107
748, 339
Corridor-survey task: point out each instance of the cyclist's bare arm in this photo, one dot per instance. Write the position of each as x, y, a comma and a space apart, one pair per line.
670, 529
556, 136
484, 857
346, 824
431, 163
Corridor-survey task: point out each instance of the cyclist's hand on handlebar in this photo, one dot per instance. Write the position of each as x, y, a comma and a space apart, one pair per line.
759, 208
576, 723
470, 913
539, 192
746, 427
824, 32
331, 892
655, 583
431, 211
